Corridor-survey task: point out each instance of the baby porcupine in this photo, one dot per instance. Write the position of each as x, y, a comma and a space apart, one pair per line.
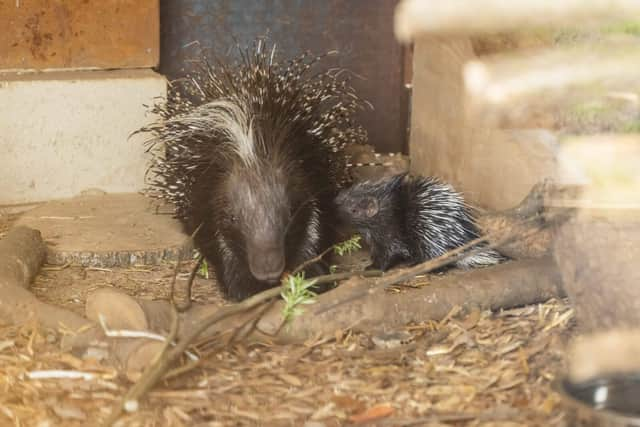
406, 219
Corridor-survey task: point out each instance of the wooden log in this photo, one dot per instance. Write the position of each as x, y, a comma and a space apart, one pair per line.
415, 18
504, 286
514, 222
21, 254
362, 304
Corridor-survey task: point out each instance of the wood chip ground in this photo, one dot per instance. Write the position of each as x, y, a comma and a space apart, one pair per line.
482, 369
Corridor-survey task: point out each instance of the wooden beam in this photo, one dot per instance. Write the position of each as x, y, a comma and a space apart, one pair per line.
414, 18
503, 90
90, 34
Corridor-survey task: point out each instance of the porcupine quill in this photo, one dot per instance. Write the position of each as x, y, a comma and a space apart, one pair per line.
252, 152
410, 219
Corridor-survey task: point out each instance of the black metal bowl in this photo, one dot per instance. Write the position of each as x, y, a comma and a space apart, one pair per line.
612, 401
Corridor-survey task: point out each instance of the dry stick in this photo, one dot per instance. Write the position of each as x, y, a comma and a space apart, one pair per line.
449, 257
312, 260
129, 401
462, 252
175, 277
192, 275
154, 372
238, 333
192, 364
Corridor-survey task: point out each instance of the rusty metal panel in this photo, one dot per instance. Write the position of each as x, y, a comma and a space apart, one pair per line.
362, 30
46, 34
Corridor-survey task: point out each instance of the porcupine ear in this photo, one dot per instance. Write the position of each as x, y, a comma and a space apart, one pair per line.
371, 206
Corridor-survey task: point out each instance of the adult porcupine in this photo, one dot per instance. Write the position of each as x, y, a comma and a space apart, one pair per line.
411, 219
251, 153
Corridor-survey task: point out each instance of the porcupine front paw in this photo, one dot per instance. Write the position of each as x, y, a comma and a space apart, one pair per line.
384, 260
379, 262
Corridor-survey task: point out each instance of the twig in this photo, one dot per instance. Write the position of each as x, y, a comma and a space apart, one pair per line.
175, 277
175, 271
130, 400
60, 374
154, 372
312, 260
450, 257
192, 276
242, 331
57, 268
128, 333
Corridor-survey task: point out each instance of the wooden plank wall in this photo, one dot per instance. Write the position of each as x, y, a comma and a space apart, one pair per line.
78, 34
362, 30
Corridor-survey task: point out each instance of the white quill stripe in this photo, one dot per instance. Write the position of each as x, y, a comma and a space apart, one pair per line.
229, 118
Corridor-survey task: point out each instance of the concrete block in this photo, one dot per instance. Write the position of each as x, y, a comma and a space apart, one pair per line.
65, 132
52, 34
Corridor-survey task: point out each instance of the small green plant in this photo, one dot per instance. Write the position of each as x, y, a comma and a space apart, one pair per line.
348, 246
203, 271
296, 291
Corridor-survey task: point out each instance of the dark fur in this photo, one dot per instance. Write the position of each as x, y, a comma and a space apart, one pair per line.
410, 220
263, 213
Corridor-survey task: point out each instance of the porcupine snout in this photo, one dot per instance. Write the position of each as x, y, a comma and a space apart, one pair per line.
259, 204
266, 260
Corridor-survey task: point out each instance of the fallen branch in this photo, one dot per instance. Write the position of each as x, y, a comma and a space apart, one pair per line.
22, 252
156, 370
192, 275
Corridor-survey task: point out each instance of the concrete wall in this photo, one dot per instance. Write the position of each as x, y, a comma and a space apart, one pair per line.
61, 133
